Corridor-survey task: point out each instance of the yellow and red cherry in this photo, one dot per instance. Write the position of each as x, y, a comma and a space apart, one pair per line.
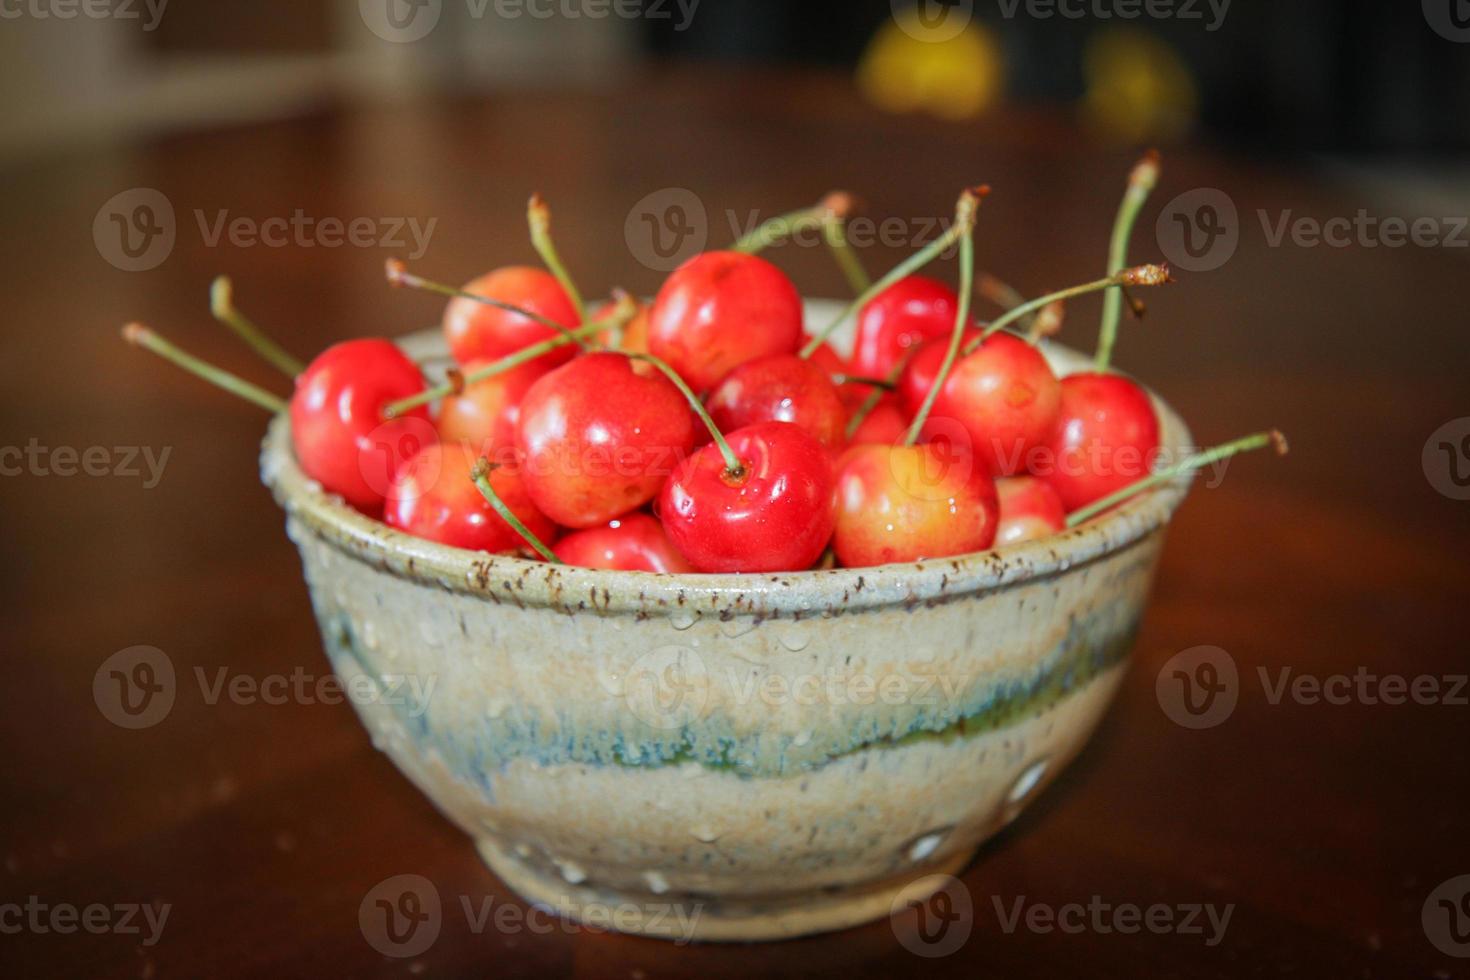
885, 425
909, 503
485, 415
780, 388
597, 440
719, 310
1029, 510
433, 496
1106, 436
481, 332
911, 311
632, 543
760, 502
337, 424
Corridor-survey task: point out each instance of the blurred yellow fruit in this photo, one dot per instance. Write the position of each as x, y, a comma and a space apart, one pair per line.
950, 67
1139, 90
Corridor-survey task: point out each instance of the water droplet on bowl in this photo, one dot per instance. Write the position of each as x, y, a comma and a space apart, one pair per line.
682, 619
572, 872
926, 844
1027, 781
738, 626
801, 738
795, 638
705, 833
657, 883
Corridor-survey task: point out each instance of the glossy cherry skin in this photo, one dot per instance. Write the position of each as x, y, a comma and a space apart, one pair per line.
434, 497
776, 516
597, 440
923, 367
485, 415
780, 388
337, 422
719, 310
1029, 510
1006, 398
886, 424
478, 332
632, 543
634, 337
911, 311
1106, 436
909, 503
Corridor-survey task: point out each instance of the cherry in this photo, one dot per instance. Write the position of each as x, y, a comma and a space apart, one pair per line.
1029, 510
337, 422
597, 439
756, 500
481, 332
486, 413
719, 310
780, 388
909, 503
921, 368
433, 496
632, 543
1106, 436
885, 423
904, 315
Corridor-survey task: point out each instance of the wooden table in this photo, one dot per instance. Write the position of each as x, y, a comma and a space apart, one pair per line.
1324, 827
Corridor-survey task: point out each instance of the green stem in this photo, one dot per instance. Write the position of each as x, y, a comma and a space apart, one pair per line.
621, 314
398, 275
538, 217
1258, 441
1140, 182
858, 379
779, 228
857, 277
222, 305
140, 336
961, 320
1143, 275
733, 466
964, 220
481, 475
876, 395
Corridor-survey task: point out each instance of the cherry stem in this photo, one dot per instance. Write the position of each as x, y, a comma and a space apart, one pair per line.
1046, 323
1247, 444
876, 395
623, 310
538, 217
847, 258
222, 305
956, 337
858, 379
1000, 293
733, 467
481, 475
1140, 182
964, 221
830, 210
398, 275
1140, 275
140, 336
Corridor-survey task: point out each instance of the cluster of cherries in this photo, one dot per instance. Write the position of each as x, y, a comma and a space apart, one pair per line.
708, 431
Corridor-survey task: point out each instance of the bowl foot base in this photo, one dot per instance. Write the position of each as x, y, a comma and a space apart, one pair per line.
707, 918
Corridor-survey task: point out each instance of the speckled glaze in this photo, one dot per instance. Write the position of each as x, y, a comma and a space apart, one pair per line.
726, 757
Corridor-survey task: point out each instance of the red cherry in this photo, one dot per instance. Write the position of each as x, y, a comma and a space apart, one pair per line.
434, 497
1006, 398
632, 543
337, 425
719, 310
478, 332
911, 311
886, 424
922, 369
780, 388
909, 503
1106, 436
597, 439
775, 515
484, 416
1029, 510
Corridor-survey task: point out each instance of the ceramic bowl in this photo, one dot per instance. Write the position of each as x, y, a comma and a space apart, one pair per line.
726, 757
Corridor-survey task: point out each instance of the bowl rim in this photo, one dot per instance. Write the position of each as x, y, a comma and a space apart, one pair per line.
528, 583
